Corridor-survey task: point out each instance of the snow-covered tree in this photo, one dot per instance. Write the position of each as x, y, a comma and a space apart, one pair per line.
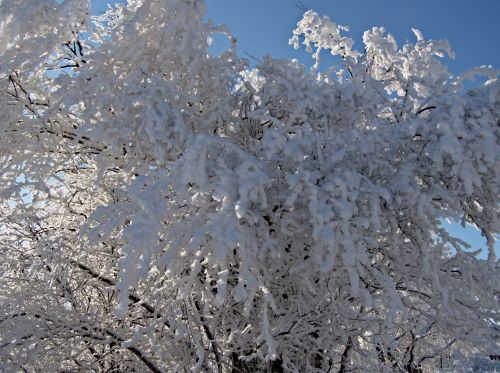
167, 210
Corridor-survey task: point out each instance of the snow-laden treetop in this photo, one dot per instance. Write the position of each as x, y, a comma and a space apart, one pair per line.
294, 214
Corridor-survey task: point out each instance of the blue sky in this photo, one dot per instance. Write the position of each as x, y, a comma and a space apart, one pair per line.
264, 26
472, 27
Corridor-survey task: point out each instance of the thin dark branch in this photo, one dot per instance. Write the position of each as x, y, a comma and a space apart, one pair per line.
420, 111
210, 337
133, 297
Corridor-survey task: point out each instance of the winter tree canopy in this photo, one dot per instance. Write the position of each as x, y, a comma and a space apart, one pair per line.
166, 210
